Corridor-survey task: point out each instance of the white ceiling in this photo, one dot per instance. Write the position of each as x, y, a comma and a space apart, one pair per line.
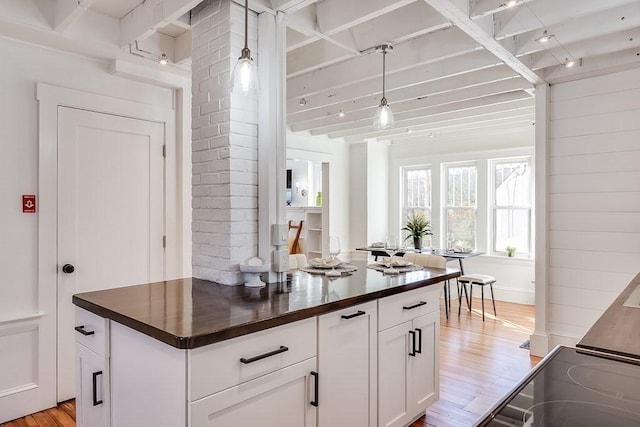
457, 67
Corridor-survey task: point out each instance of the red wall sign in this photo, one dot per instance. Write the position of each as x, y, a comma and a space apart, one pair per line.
28, 203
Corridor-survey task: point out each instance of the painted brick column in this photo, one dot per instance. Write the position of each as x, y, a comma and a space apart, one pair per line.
224, 146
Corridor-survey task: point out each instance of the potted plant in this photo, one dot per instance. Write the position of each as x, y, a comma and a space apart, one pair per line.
418, 226
511, 250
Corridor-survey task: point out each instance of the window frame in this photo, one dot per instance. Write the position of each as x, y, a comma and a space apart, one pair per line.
404, 208
445, 200
494, 207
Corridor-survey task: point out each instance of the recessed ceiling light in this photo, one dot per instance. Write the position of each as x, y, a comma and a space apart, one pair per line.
510, 3
569, 63
164, 59
340, 113
302, 102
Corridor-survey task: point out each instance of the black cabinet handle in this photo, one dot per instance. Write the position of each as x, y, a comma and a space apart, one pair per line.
82, 331
413, 343
351, 316
411, 307
282, 349
315, 375
96, 402
419, 347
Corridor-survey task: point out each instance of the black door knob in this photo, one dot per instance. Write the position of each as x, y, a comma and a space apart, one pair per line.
68, 268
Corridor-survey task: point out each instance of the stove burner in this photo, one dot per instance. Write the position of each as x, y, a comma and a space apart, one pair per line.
614, 381
570, 413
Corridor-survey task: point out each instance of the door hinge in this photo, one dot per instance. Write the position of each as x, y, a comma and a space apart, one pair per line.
164, 151
164, 241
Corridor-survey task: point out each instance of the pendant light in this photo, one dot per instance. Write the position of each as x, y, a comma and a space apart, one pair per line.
244, 77
384, 116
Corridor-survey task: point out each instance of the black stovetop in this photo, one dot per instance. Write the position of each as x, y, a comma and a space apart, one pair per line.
574, 387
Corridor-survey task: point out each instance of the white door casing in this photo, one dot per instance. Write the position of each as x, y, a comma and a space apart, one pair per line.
110, 213
38, 391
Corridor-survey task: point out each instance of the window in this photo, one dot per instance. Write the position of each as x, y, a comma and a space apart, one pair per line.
460, 205
511, 205
417, 192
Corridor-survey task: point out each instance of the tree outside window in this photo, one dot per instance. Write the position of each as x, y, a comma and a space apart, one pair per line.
461, 206
417, 194
511, 205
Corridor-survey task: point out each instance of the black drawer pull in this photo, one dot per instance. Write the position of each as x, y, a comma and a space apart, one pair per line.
419, 347
411, 307
83, 332
314, 402
96, 402
413, 343
351, 316
282, 349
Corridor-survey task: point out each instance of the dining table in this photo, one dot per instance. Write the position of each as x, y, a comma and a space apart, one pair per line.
448, 255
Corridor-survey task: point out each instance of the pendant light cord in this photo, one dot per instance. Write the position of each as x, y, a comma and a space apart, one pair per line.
384, 56
246, 23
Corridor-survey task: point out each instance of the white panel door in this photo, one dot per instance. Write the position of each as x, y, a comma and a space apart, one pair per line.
110, 213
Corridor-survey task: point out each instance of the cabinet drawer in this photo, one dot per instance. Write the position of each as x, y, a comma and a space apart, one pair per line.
407, 306
279, 399
92, 331
219, 366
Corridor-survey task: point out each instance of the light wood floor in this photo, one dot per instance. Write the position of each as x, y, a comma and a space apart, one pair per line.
479, 363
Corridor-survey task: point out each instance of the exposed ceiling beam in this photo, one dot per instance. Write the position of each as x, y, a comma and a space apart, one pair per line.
408, 108
66, 12
150, 15
477, 126
291, 6
543, 13
420, 51
475, 30
448, 113
429, 125
413, 79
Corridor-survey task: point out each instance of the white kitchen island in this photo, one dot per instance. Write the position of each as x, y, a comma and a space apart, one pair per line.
360, 350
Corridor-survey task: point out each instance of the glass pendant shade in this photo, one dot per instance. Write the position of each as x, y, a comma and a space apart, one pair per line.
244, 77
383, 118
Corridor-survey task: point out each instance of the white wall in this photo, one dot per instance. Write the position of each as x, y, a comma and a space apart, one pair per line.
514, 276
593, 200
22, 66
302, 146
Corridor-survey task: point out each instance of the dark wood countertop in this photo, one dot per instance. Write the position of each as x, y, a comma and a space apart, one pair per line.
617, 331
190, 313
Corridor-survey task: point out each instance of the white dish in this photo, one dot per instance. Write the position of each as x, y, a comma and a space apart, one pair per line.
395, 261
324, 262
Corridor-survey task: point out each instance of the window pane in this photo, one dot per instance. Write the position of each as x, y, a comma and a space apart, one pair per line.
512, 229
461, 228
461, 186
418, 187
512, 184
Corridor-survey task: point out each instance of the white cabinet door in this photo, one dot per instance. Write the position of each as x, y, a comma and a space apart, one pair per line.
279, 399
92, 389
408, 370
422, 373
347, 367
393, 358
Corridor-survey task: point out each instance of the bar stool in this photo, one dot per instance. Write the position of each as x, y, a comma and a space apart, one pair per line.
481, 280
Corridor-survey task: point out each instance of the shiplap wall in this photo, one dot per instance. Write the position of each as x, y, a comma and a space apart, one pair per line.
594, 198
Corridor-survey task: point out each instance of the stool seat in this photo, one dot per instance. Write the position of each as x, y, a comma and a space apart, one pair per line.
478, 279
481, 280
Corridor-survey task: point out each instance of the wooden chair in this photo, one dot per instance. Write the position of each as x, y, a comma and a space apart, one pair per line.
294, 243
433, 261
481, 280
